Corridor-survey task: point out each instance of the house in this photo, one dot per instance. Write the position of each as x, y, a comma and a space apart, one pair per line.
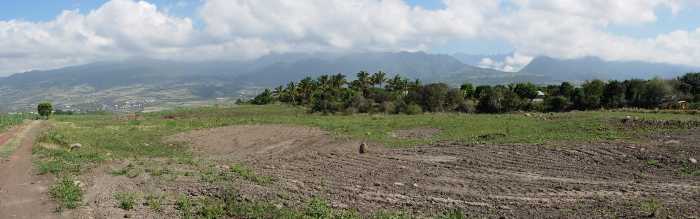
540, 97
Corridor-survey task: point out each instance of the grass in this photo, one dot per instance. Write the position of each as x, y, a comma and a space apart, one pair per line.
105, 137
650, 207
126, 200
67, 193
155, 202
7, 121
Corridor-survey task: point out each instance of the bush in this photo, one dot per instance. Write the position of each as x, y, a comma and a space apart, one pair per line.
388, 107
45, 109
413, 109
67, 193
556, 104
466, 106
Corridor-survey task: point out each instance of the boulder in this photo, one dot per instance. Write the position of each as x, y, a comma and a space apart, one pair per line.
693, 160
75, 146
363, 148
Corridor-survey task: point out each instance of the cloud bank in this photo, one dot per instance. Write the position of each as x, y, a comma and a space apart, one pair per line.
244, 29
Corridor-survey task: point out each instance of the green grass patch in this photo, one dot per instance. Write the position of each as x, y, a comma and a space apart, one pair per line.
126, 200
67, 193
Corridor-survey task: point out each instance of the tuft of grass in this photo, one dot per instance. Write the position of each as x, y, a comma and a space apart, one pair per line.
452, 214
185, 206
155, 202
67, 193
318, 208
250, 175
650, 207
211, 208
653, 163
125, 200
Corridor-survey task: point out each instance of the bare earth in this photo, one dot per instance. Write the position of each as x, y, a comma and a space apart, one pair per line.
598, 180
23, 194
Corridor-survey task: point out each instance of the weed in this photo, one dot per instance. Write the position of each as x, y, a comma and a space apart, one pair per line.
453, 214
67, 193
318, 208
653, 163
126, 200
650, 207
250, 175
184, 205
155, 202
210, 208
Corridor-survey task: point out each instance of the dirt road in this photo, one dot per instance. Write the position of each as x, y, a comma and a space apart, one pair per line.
23, 194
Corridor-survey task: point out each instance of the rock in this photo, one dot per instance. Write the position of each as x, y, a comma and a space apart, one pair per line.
673, 142
693, 160
225, 167
78, 183
399, 184
75, 146
415, 185
363, 148
377, 184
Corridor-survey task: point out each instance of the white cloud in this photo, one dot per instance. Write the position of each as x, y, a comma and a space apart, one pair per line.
242, 29
511, 63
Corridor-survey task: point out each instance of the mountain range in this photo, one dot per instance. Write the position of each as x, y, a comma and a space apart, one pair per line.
160, 81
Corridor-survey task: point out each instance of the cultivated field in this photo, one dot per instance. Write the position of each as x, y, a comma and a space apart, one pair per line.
280, 162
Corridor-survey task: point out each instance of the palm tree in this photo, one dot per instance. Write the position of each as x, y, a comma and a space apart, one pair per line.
292, 92
338, 80
324, 82
364, 79
278, 92
306, 88
378, 78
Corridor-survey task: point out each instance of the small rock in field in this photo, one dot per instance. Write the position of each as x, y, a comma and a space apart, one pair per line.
225, 167
377, 184
415, 185
75, 146
363, 148
398, 184
673, 142
78, 183
693, 160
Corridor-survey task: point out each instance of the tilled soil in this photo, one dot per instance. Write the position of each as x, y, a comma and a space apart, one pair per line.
576, 180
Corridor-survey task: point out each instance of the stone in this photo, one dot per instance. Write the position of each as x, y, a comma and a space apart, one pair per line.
75, 146
398, 184
693, 160
363, 148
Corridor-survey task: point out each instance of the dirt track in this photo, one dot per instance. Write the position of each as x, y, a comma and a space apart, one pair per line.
587, 180
23, 194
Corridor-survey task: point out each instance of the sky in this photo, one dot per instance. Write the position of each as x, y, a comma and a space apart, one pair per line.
50, 34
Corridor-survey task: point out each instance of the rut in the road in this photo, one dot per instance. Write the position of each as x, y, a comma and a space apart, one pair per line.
23, 194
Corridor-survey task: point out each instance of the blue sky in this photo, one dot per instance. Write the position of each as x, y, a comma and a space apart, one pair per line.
665, 31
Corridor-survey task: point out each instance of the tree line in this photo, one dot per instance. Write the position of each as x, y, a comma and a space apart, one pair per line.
377, 93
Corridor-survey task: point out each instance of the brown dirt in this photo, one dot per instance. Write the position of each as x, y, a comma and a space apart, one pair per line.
23, 194
591, 180
417, 133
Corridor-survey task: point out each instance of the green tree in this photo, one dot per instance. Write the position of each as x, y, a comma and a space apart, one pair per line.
566, 90
592, 94
378, 78
45, 109
656, 92
467, 90
526, 90
434, 97
556, 104
633, 92
490, 101
481, 90
693, 82
614, 94
454, 98
263, 98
